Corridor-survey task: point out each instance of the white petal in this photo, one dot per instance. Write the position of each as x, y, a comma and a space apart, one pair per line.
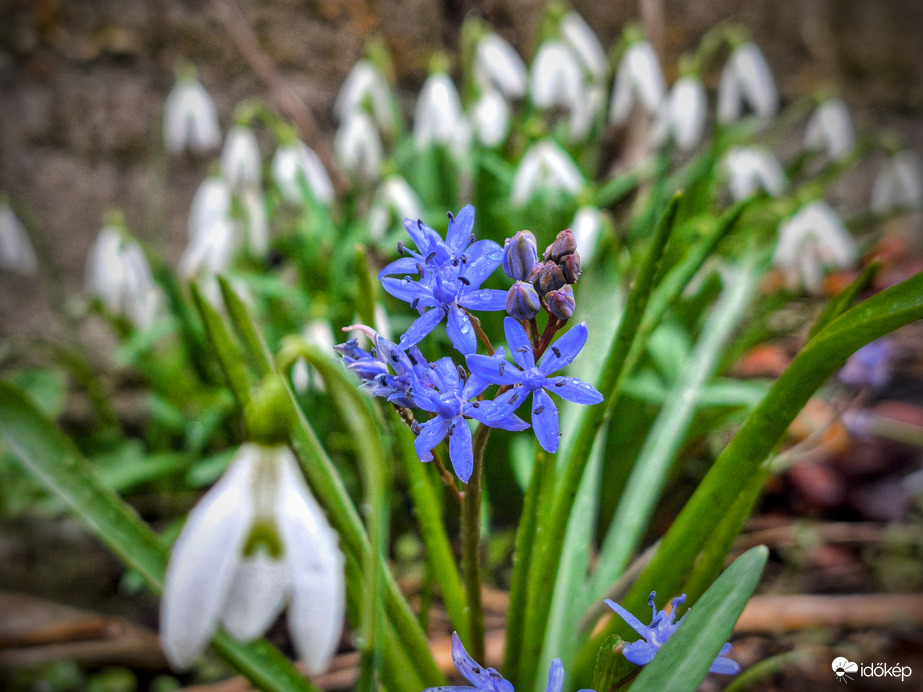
498, 65
729, 96
204, 561
545, 166
366, 85
491, 119
830, 130
688, 110
260, 589
295, 165
190, 120
647, 78
438, 118
211, 251
358, 146
240, 159
16, 253
210, 204
257, 222
755, 79
582, 40
587, 225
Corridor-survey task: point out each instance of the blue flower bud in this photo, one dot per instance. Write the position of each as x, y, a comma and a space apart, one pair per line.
564, 244
570, 267
546, 276
522, 302
561, 303
520, 255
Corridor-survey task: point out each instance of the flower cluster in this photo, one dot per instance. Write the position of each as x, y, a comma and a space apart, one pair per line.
441, 279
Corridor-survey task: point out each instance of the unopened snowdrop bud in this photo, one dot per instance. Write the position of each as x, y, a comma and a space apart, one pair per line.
358, 146
561, 303
119, 275
210, 204
296, 165
545, 166
587, 226
16, 253
394, 199
753, 168
746, 80
581, 39
240, 159
490, 119
366, 88
830, 130
638, 81
564, 244
683, 115
498, 67
522, 302
439, 118
256, 542
899, 185
547, 276
813, 240
520, 255
190, 121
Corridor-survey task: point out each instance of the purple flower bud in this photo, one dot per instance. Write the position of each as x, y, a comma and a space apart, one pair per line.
561, 303
520, 255
564, 244
570, 267
522, 302
546, 276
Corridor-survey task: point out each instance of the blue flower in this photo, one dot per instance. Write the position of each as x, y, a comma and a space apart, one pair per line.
450, 401
489, 679
526, 377
659, 631
450, 276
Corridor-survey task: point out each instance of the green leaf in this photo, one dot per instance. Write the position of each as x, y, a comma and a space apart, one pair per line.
682, 663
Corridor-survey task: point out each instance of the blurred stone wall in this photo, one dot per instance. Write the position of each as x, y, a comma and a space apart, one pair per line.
82, 85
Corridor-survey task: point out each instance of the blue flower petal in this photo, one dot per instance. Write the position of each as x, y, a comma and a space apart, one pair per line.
424, 237
432, 432
555, 676
410, 291
724, 666
575, 390
460, 449
482, 678
518, 341
639, 652
512, 423
460, 227
486, 299
481, 248
494, 370
461, 332
563, 351
422, 326
632, 621
545, 420
478, 269
404, 265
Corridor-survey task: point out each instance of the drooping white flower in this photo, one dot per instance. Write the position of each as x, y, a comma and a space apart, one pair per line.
545, 166
255, 222
753, 168
295, 165
240, 159
638, 80
210, 204
746, 80
357, 146
810, 242
490, 119
581, 39
394, 201
683, 115
830, 130
587, 227
16, 253
557, 80
439, 118
211, 250
899, 185
366, 89
497, 66
256, 542
118, 274
320, 333
190, 121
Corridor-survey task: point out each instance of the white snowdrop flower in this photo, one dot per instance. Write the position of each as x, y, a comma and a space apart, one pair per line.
581, 39
366, 89
439, 118
830, 130
899, 184
357, 146
490, 119
256, 542
637, 81
118, 274
210, 251
557, 80
394, 201
753, 168
295, 165
545, 166
210, 204
683, 114
256, 222
497, 66
810, 242
190, 121
319, 333
746, 80
16, 253
587, 226
240, 159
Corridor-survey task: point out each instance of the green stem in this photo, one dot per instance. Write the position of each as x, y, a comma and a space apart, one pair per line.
471, 544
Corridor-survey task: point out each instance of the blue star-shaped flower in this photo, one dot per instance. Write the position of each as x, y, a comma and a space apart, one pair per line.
451, 400
489, 679
535, 379
450, 275
659, 631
